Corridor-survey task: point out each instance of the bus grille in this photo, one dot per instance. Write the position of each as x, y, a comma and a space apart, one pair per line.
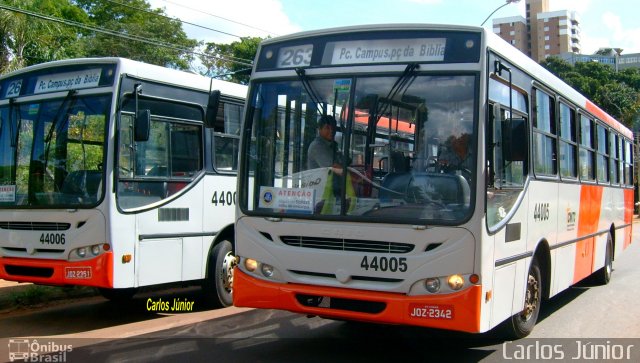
327, 302
354, 245
37, 250
35, 226
29, 271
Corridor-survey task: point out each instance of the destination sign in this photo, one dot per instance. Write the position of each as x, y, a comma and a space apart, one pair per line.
386, 51
68, 81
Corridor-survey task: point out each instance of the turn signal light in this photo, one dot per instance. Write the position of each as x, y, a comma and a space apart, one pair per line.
474, 279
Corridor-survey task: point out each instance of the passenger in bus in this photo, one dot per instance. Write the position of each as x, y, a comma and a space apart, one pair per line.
455, 153
323, 150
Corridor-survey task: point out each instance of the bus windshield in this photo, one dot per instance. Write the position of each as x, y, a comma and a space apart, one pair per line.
52, 151
392, 148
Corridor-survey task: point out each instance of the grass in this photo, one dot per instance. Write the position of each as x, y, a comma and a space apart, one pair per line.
25, 296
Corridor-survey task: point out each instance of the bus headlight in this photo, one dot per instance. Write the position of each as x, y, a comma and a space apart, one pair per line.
455, 282
432, 284
267, 270
87, 252
250, 264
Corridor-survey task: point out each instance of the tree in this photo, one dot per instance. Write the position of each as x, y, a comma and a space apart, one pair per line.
620, 101
557, 66
618, 93
231, 61
27, 40
166, 43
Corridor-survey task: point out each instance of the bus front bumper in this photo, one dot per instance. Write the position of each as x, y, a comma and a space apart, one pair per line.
458, 311
97, 272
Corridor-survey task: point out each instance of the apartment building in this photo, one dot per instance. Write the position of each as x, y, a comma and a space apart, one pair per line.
542, 32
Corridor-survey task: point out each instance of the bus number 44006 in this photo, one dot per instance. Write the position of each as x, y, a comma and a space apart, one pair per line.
52, 238
392, 264
224, 198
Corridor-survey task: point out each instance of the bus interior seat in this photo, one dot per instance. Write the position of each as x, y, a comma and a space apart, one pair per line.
396, 183
158, 170
450, 189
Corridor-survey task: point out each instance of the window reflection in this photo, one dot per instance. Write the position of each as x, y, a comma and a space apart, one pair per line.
160, 167
396, 153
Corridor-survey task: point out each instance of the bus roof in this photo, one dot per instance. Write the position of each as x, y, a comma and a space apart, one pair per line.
505, 49
492, 41
148, 71
371, 27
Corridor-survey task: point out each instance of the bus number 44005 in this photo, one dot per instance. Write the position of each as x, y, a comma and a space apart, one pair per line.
52, 238
376, 263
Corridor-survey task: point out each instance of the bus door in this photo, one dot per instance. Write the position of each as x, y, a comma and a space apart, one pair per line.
507, 207
159, 185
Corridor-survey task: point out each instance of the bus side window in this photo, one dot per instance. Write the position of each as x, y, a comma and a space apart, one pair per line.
227, 136
163, 165
506, 162
185, 150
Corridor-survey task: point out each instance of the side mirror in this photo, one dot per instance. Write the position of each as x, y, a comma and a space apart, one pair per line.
142, 125
212, 109
515, 141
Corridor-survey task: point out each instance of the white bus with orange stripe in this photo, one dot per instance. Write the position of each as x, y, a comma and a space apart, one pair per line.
118, 174
473, 184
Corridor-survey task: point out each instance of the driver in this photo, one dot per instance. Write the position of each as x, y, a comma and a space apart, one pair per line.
323, 150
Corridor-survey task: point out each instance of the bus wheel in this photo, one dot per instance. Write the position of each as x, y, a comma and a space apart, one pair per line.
521, 324
118, 295
218, 285
603, 275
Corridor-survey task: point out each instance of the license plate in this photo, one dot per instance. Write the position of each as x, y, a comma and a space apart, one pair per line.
77, 273
425, 311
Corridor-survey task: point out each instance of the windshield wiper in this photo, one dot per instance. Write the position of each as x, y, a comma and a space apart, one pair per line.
54, 121
55, 125
307, 87
401, 83
14, 133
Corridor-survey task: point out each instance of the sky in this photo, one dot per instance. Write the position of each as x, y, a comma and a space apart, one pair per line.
603, 23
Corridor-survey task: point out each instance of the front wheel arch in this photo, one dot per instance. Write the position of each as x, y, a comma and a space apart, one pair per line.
522, 323
514, 327
217, 284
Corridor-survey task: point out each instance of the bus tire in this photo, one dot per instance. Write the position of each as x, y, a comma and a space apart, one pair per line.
603, 275
521, 324
218, 285
118, 295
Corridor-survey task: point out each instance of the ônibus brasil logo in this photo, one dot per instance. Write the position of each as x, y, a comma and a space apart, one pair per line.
33, 351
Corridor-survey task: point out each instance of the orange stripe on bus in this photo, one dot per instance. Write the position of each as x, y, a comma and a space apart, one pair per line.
628, 216
599, 113
590, 204
251, 292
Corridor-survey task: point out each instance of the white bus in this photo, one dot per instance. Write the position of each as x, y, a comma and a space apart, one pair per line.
469, 184
118, 174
